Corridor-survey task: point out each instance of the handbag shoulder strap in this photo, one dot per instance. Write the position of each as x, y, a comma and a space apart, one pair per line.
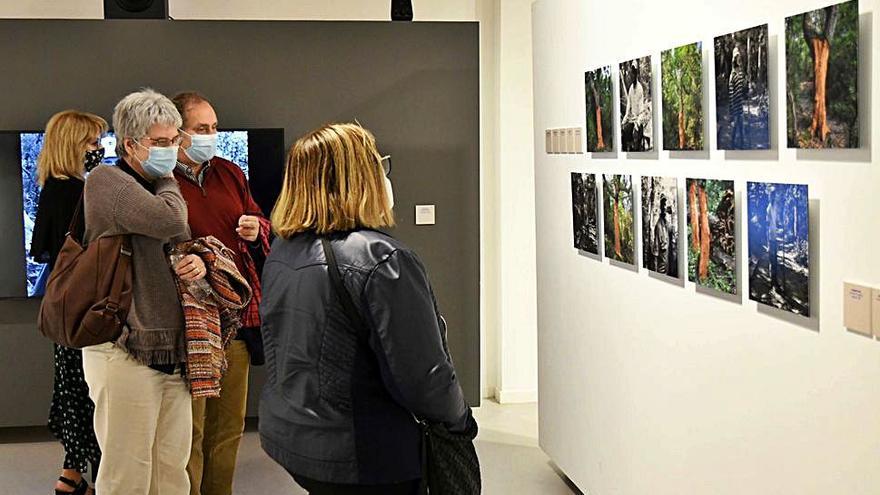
123, 268
339, 287
72, 229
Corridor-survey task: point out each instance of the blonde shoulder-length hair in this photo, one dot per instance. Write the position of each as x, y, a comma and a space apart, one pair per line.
333, 182
68, 134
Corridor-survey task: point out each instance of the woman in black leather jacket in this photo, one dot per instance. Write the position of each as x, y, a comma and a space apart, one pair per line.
338, 408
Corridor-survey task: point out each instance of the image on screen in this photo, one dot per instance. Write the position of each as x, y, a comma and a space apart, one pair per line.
231, 145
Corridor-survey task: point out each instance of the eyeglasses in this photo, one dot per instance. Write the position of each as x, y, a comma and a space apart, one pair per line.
386, 164
163, 142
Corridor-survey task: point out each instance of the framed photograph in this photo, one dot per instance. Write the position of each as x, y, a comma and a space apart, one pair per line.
779, 246
742, 92
599, 88
682, 87
585, 212
822, 72
636, 106
617, 199
660, 225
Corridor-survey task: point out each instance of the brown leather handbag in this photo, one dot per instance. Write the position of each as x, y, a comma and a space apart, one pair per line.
88, 294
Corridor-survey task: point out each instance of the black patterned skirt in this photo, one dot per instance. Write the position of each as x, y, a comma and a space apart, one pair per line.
71, 416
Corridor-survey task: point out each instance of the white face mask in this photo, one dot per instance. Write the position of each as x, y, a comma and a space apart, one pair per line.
389, 191
203, 147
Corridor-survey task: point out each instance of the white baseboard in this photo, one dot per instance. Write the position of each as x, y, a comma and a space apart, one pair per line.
513, 396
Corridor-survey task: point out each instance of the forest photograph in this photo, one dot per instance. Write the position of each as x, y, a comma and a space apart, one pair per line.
681, 72
822, 69
599, 88
711, 226
30, 145
660, 225
742, 92
636, 105
617, 202
779, 246
585, 215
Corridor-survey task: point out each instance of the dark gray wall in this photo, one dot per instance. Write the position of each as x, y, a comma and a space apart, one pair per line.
416, 86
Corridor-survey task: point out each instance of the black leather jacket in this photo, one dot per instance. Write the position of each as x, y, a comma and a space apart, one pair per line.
339, 402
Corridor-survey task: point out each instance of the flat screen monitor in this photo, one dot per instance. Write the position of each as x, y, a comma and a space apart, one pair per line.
259, 151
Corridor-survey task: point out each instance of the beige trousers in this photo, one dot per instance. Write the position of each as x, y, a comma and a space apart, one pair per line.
218, 425
143, 422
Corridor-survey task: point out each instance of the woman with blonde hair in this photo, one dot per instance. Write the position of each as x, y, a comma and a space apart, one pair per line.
355, 344
71, 147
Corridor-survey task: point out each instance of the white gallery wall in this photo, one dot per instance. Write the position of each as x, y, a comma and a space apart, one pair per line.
508, 356
648, 387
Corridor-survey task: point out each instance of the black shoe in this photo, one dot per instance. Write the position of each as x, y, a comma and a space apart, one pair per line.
78, 489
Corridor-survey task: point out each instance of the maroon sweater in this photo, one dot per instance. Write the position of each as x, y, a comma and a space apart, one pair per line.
216, 205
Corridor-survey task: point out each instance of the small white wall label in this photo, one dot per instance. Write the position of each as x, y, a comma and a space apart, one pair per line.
425, 215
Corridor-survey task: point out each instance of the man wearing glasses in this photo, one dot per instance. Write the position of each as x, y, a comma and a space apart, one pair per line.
220, 204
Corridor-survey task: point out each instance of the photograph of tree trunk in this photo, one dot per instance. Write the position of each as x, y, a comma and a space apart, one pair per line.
660, 225
742, 94
617, 197
822, 68
682, 89
711, 225
585, 212
636, 105
779, 246
599, 88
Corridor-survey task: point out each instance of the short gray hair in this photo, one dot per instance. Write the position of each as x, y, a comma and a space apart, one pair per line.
137, 112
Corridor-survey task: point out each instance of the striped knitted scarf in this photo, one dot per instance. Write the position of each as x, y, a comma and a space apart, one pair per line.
212, 321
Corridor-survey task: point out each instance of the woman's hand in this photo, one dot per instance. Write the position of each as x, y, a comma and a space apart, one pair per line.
191, 268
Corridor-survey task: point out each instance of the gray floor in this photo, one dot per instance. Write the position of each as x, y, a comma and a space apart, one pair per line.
511, 461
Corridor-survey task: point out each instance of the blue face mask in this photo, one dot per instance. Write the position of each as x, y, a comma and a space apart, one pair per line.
161, 161
203, 148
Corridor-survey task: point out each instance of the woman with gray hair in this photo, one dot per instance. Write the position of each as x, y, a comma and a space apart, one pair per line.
143, 409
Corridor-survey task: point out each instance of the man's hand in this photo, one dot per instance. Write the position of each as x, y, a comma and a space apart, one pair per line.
248, 228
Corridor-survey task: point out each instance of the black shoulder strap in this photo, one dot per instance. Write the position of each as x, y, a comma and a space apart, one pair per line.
341, 292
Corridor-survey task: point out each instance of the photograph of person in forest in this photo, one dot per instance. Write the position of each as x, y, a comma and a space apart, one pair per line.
585, 215
598, 86
636, 105
822, 69
617, 201
682, 89
711, 226
779, 246
660, 225
742, 92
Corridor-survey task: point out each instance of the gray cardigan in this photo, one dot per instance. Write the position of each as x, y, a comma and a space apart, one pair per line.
117, 203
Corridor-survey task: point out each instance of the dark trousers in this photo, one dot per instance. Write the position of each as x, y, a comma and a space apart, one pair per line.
738, 132
322, 488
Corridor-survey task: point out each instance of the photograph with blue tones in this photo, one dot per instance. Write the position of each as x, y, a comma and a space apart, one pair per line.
30, 145
779, 246
233, 146
742, 92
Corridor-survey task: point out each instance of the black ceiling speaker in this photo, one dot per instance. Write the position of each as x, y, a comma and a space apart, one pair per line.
401, 10
135, 9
